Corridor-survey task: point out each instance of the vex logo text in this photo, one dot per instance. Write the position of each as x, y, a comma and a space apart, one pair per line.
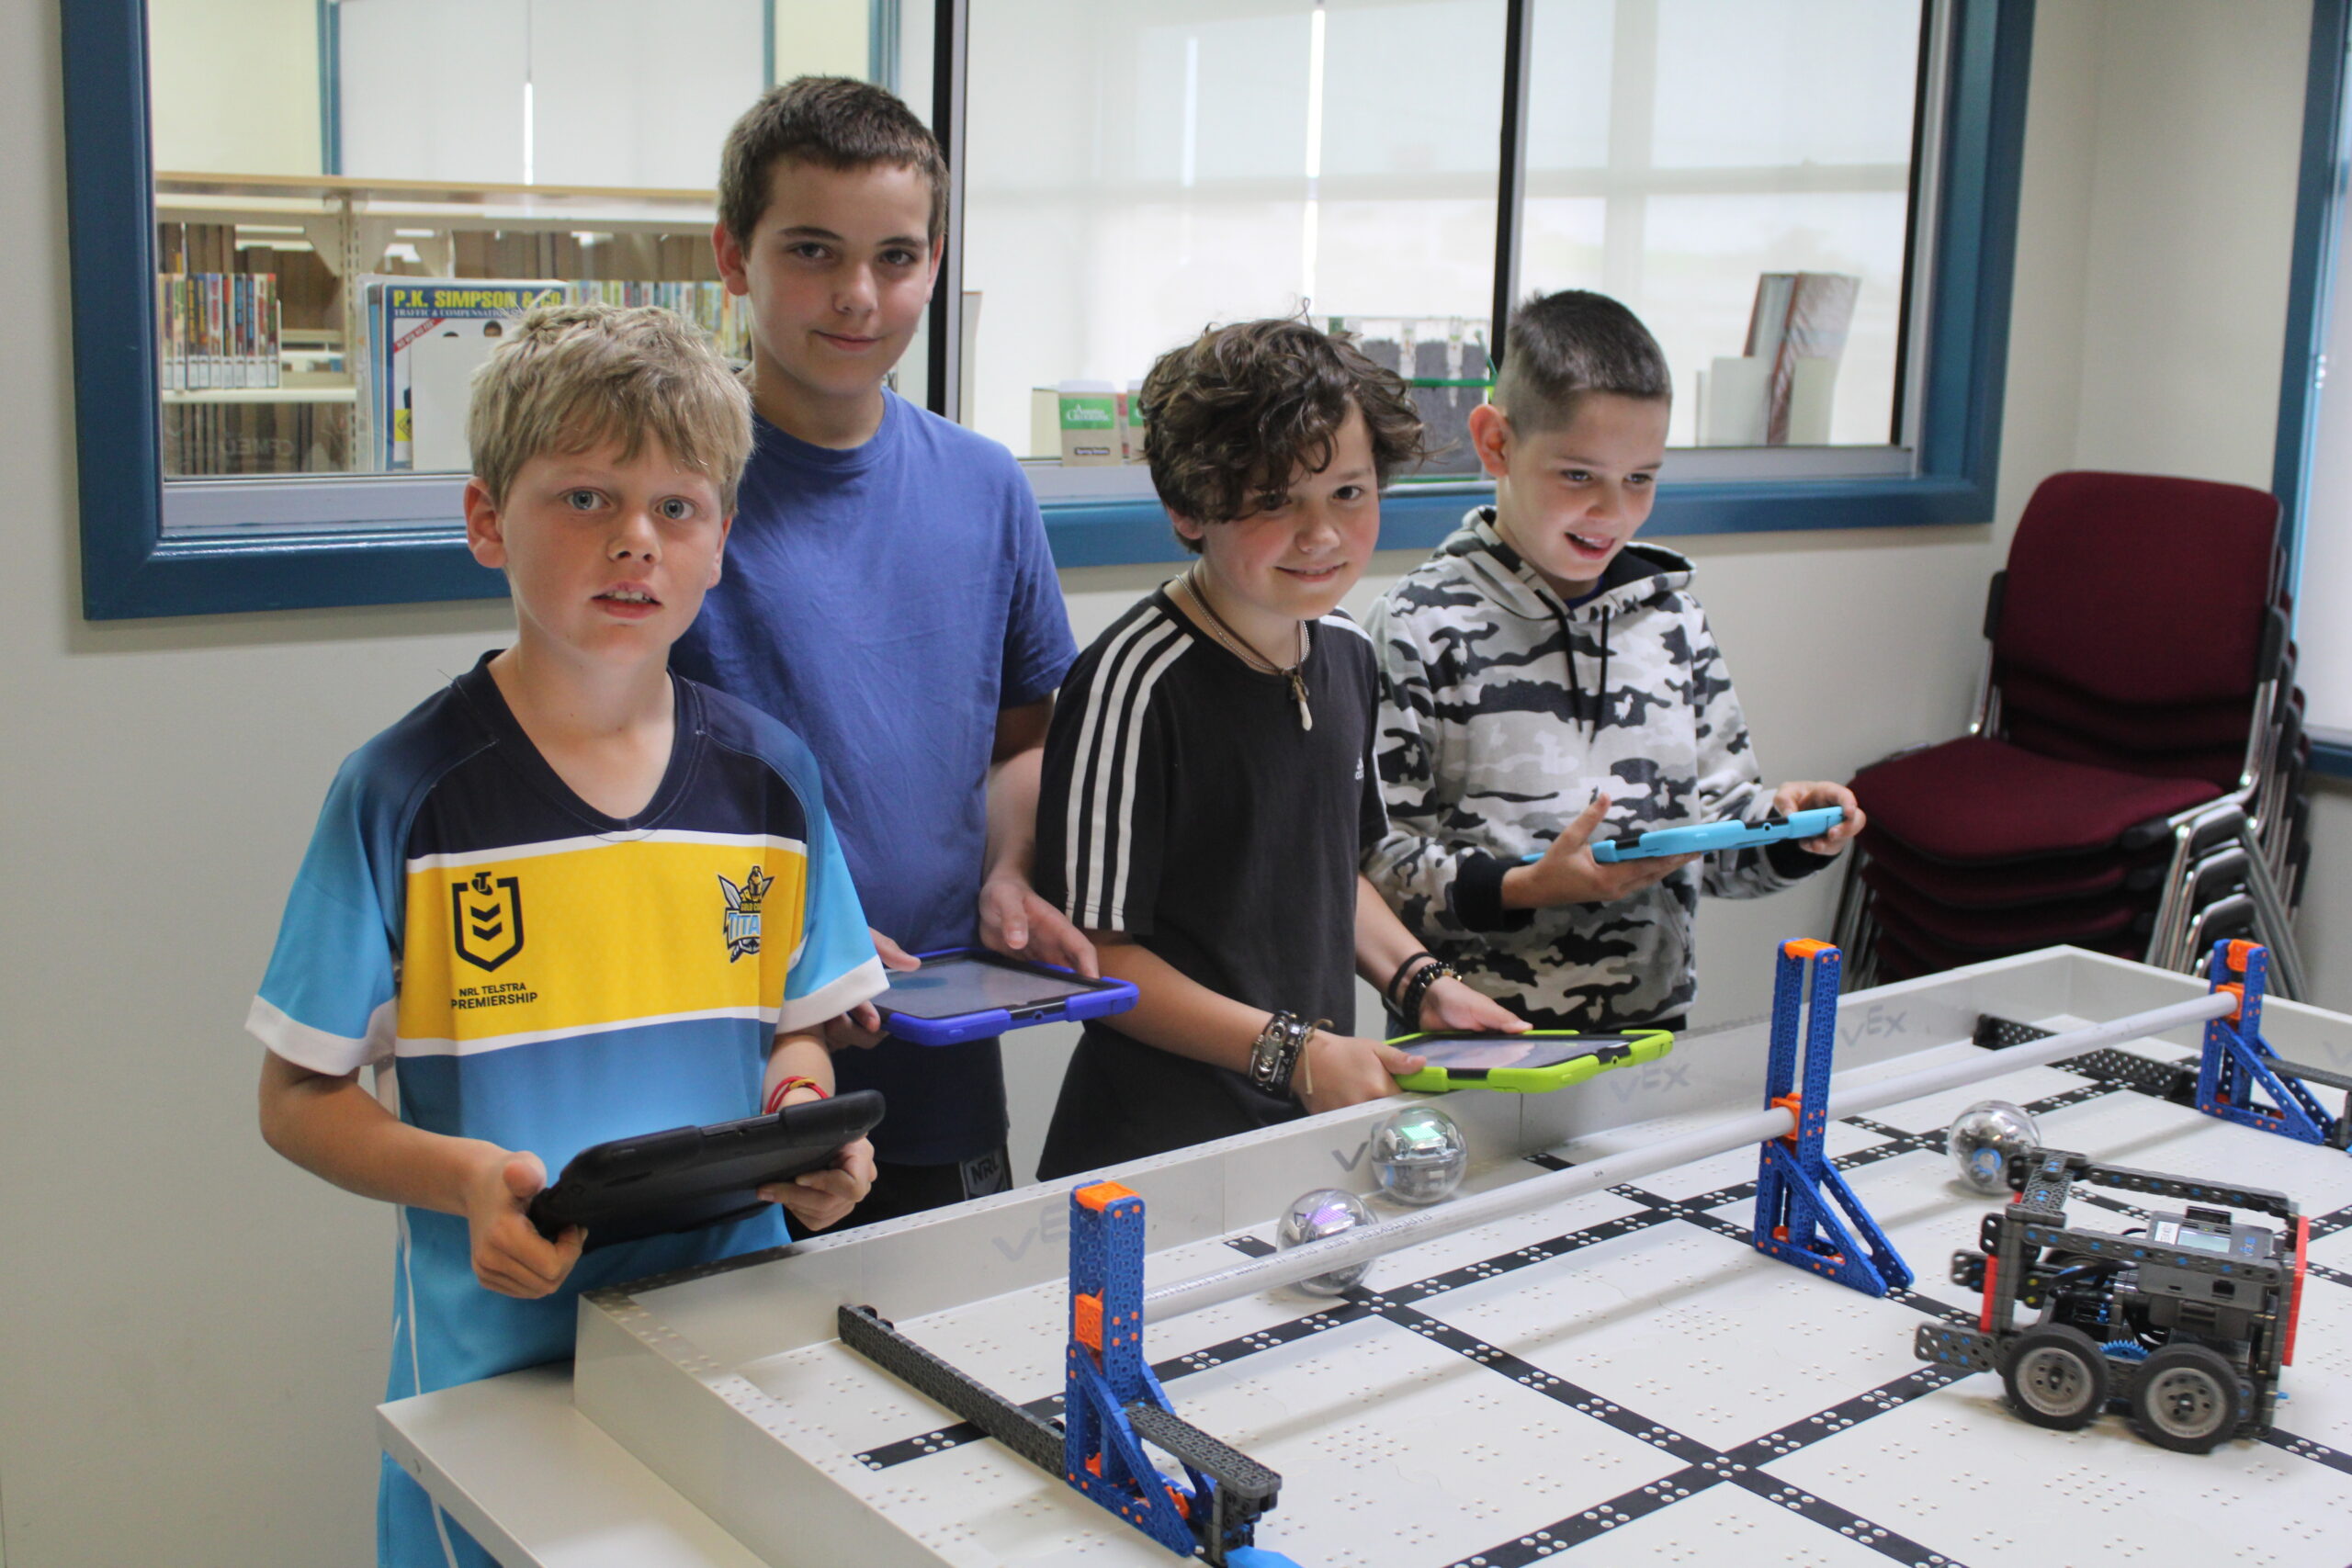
1653, 1077
1879, 1023
1051, 1226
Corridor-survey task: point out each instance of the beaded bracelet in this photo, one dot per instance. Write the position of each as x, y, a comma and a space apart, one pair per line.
1388, 992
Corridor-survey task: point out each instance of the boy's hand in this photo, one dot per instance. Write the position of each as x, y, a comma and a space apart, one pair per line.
1568, 874
1339, 1070
860, 1027
1809, 797
821, 1198
1017, 923
510, 1254
1453, 1005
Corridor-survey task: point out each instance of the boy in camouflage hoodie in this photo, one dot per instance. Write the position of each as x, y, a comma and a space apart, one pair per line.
1545, 681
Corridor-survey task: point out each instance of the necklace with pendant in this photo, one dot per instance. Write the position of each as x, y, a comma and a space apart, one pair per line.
1234, 643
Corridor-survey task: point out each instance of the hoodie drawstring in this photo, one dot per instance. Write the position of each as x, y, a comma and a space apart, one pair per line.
1603, 693
1589, 710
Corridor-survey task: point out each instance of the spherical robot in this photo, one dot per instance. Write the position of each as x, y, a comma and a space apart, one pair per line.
1419, 1156
1311, 1217
1983, 1136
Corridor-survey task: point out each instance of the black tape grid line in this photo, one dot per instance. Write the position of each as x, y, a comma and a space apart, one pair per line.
1602, 1518
1655, 1210
1290, 1333
1703, 1466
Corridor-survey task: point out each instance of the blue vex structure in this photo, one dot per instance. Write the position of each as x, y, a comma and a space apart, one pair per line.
1112, 1403
1796, 1187
2238, 1061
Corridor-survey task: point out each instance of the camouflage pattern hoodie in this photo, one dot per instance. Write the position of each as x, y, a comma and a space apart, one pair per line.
1503, 710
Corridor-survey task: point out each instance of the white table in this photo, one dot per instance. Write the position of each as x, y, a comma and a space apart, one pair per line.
1618, 1378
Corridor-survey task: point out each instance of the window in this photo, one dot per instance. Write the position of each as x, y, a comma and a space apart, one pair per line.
2311, 475
1709, 146
1197, 160
1210, 162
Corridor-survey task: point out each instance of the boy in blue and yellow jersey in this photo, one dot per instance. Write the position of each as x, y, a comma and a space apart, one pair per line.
569, 898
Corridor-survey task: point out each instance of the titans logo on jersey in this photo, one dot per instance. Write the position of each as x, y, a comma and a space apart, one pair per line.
743, 919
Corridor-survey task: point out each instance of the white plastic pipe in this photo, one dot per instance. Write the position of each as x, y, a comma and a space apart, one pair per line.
1847, 1098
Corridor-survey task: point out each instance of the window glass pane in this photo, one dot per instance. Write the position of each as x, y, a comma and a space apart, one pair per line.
1680, 150
1212, 161
322, 224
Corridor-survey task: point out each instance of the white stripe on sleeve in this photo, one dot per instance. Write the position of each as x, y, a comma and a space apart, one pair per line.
1114, 713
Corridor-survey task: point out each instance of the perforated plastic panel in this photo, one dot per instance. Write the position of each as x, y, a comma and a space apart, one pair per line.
1615, 1378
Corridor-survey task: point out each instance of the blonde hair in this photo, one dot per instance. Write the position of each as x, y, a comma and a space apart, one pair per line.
573, 377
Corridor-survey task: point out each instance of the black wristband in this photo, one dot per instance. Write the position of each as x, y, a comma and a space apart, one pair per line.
1791, 860
1388, 992
1417, 991
1476, 897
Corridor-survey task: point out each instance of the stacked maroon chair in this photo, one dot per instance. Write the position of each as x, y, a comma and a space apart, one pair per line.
2133, 779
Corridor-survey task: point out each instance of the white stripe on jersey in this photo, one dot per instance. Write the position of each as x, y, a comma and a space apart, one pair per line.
321, 1051
1339, 618
836, 997
1174, 651
1087, 823
595, 840
427, 1045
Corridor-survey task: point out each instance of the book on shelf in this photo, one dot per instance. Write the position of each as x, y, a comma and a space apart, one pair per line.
1799, 317
216, 329
444, 327
1445, 360
423, 337
209, 439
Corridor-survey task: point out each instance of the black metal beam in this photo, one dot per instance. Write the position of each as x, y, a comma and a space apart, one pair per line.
866, 1332
1510, 171
949, 35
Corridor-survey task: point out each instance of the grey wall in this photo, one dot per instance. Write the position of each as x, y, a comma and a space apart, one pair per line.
193, 1331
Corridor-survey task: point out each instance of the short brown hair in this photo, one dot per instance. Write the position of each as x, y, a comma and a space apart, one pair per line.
835, 122
1560, 346
573, 377
1233, 415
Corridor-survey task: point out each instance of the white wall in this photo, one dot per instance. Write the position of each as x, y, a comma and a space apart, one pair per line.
193, 1330
235, 86
2175, 188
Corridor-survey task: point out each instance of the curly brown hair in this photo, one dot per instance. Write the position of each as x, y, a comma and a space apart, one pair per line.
1232, 415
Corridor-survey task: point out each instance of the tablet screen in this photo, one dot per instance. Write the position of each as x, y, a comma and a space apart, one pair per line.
1484, 1053
950, 987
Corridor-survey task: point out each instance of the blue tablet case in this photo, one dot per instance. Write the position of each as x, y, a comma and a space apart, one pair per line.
1067, 996
1704, 838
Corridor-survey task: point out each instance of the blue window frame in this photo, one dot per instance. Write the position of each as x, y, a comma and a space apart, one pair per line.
2319, 216
130, 567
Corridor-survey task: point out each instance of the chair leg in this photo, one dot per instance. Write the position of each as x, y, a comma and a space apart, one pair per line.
1843, 927
2286, 957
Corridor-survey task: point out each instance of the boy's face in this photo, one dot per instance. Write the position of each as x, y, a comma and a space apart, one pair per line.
1297, 561
837, 271
1568, 499
607, 560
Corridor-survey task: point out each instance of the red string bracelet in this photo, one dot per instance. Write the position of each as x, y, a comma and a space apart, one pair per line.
786, 1086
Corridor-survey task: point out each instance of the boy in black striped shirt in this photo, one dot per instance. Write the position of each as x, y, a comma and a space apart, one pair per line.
1207, 794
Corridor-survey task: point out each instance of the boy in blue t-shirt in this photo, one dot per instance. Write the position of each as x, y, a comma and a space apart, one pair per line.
889, 593
570, 898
